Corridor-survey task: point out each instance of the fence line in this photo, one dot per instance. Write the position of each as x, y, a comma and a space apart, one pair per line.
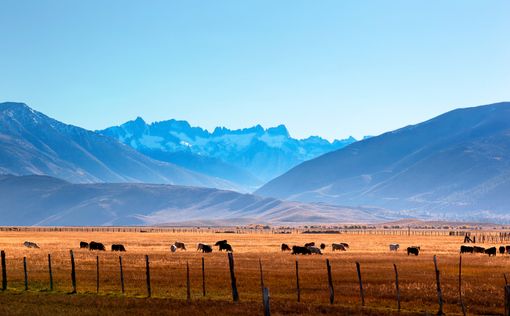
264, 289
485, 235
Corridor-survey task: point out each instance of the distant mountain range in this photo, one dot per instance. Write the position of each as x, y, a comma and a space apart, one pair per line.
32, 143
42, 200
248, 157
456, 165
453, 167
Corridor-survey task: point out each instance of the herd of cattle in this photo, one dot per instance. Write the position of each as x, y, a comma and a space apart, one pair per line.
489, 251
308, 249
93, 245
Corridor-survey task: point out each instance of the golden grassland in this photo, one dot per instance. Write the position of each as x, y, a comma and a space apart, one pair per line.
483, 279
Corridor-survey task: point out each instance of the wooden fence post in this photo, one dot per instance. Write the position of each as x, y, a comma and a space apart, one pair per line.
265, 297
73, 272
188, 287
51, 272
397, 286
261, 278
235, 294
203, 276
361, 293
25, 272
439, 292
4, 272
330, 283
97, 274
297, 282
507, 300
460, 287
121, 275
148, 276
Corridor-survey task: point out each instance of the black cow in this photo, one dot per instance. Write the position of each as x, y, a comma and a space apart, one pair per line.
477, 249
220, 242
340, 247
413, 251
346, 245
491, 251
201, 246
466, 249
118, 247
96, 246
314, 250
84, 244
310, 244
226, 247
323, 246
502, 250
285, 247
206, 248
508, 250
298, 250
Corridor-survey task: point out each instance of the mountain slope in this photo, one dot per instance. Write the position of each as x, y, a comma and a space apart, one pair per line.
32, 143
42, 200
452, 164
248, 156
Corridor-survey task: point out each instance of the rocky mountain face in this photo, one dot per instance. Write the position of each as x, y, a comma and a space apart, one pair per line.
456, 165
248, 157
32, 143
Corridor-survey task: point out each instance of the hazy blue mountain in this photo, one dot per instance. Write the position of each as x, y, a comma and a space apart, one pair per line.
42, 200
32, 143
248, 156
457, 164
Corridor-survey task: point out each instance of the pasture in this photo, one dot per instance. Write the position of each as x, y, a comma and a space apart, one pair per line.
482, 282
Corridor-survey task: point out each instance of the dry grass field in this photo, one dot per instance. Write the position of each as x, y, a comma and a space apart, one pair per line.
482, 276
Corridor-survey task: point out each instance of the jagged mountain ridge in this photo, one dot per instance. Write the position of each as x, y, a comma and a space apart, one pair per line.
247, 156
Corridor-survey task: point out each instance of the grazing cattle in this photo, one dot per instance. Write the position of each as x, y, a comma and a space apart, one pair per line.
466, 249
220, 242
323, 246
310, 244
206, 249
84, 244
30, 244
173, 248
502, 250
226, 247
508, 250
491, 251
118, 247
394, 247
346, 245
314, 250
298, 250
285, 247
477, 249
413, 251
338, 247
96, 246
180, 245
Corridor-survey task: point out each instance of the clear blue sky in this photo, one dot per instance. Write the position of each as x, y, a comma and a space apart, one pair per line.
329, 68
